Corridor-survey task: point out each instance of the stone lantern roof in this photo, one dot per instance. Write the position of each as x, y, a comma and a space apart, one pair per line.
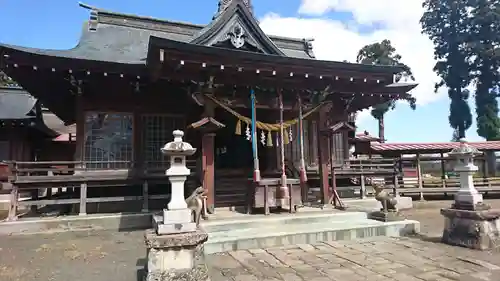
464, 149
178, 146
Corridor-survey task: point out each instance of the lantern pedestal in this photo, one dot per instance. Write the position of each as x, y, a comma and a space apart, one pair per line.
469, 222
175, 245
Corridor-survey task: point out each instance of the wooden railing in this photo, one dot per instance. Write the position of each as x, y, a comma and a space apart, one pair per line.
368, 166
446, 186
362, 172
34, 177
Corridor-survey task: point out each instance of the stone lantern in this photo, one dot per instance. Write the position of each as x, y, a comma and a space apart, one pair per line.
467, 197
178, 172
469, 222
175, 245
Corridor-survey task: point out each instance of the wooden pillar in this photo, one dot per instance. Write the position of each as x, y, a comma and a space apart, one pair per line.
334, 182
208, 168
483, 168
323, 152
419, 177
398, 170
79, 150
314, 141
208, 160
138, 165
486, 166
80, 128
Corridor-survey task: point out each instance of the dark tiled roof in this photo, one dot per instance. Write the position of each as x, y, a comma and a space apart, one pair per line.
16, 104
124, 38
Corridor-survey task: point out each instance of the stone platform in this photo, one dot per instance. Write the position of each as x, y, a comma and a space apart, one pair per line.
252, 232
478, 230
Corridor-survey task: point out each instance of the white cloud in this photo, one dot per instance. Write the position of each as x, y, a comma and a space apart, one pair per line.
395, 20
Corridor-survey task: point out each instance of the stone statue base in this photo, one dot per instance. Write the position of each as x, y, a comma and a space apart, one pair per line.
462, 205
175, 256
385, 216
175, 221
478, 229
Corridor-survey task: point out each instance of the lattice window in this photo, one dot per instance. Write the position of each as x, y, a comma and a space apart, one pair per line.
156, 131
108, 140
338, 147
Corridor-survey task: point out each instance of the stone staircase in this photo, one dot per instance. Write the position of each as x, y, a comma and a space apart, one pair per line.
228, 234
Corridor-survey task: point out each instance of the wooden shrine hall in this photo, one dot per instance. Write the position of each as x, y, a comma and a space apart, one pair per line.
249, 102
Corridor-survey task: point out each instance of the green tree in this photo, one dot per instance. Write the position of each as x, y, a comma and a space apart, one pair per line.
6, 81
383, 53
446, 24
484, 36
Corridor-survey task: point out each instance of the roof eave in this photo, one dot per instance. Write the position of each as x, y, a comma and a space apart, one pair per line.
164, 43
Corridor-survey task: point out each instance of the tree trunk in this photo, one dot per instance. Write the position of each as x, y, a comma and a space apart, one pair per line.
381, 131
461, 132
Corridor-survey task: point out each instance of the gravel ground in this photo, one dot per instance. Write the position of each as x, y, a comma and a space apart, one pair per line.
105, 255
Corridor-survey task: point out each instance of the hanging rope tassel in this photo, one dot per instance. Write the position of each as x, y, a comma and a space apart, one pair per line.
269, 139
238, 128
286, 139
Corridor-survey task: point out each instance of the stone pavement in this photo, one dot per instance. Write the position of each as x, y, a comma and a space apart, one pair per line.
95, 256
119, 256
404, 259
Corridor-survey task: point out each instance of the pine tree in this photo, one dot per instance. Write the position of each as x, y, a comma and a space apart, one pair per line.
383, 53
446, 24
484, 37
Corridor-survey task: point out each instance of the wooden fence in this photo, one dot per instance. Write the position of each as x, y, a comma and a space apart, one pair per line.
74, 176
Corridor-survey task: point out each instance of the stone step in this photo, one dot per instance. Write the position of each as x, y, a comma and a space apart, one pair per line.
300, 229
225, 224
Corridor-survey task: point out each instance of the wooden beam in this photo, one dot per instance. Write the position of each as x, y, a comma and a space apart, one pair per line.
245, 78
292, 70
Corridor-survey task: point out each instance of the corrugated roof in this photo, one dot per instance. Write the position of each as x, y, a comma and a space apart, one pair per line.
422, 147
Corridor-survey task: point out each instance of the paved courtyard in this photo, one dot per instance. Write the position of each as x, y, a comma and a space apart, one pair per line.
103, 255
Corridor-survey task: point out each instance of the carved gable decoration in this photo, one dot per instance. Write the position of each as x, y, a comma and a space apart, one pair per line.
236, 28
238, 35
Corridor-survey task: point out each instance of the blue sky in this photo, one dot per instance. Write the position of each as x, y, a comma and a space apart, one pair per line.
57, 24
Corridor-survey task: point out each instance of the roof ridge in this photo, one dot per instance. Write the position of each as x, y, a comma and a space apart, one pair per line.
112, 13
188, 24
